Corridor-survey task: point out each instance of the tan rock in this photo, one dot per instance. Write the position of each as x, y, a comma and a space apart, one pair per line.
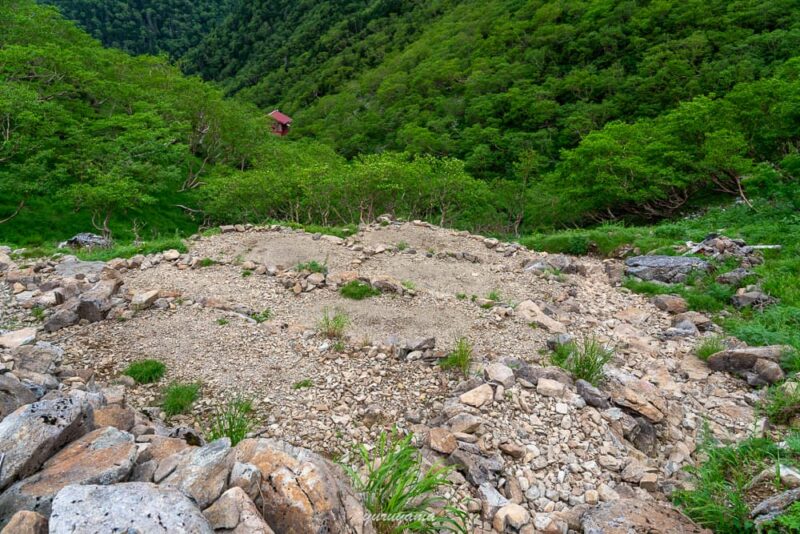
116, 416
477, 397
670, 303
442, 440
200, 472
549, 388
511, 516
18, 338
235, 513
639, 516
144, 299
531, 313
26, 522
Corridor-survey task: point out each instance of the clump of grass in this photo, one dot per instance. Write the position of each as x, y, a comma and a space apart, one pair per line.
247, 273
146, 371
38, 313
781, 404
358, 290
233, 421
790, 361
401, 246
178, 398
333, 326
460, 358
461, 296
709, 346
584, 361
262, 316
302, 384
339, 346
312, 266
222, 321
409, 285
401, 493
494, 296
208, 232
206, 262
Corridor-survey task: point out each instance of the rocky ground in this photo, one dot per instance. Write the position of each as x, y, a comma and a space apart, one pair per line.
535, 450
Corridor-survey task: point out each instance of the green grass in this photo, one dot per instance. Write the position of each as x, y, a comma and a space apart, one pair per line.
461, 296
333, 326
781, 404
401, 492
178, 398
312, 266
790, 361
119, 249
262, 316
401, 246
585, 361
409, 285
223, 322
233, 421
303, 384
206, 262
247, 273
38, 313
146, 371
494, 296
358, 290
709, 346
460, 358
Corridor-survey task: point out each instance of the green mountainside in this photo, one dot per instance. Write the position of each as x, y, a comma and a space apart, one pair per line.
146, 26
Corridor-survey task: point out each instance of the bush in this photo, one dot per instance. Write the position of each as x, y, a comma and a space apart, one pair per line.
401, 493
585, 361
460, 358
146, 371
233, 421
790, 361
358, 290
709, 346
178, 398
333, 326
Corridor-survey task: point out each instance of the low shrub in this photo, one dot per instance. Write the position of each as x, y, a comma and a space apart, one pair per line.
146, 371
333, 326
178, 398
709, 346
262, 316
403, 494
206, 262
781, 404
358, 290
584, 361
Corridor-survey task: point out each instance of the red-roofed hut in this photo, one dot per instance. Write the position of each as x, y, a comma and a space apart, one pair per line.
281, 124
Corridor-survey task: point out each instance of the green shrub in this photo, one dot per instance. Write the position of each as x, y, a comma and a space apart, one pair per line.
584, 361
233, 421
146, 371
461, 296
178, 398
302, 384
494, 296
790, 361
247, 273
262, 316
460, 358
38, 313
709, 346
333, 326
312, 266
401, 493
401, 246
358, 290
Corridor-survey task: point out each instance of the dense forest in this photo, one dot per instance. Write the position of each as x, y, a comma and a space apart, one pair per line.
146, 26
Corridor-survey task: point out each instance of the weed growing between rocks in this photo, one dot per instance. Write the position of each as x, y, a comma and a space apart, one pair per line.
709, 346
178, 398
222, 321
313, 266
38, 313
584, 361
247, 273
262, 316
722, 485
303, 384
206, 262
409, 285
333, 326
146, 371
401, 246
460, 358
358, 290
401, 494
233, 421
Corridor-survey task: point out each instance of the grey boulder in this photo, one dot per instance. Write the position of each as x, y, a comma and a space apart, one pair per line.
668, 269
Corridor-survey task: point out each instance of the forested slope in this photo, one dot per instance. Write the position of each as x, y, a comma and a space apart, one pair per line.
146, 26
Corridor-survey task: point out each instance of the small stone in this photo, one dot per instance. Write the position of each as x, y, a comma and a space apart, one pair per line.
26, 522
500, 374
442, 440
143, 300
649, 482
512, 449
549, 388
511, 515
591, 497
671, 303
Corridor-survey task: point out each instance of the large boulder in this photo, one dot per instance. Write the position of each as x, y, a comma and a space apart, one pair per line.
669, 269
628, 515
128, 507
302, 492
34, 432
17, 338
235, 513
104, 456
71, 267
743, 359
86, 240
13, 394
41, 358
531, 313
199, 472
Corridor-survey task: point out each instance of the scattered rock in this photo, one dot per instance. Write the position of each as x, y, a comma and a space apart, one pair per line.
235, 513
531, 313
549, 388
671, 303
592, 395
668, 269
201, 473
442, 440
627, 515
478, 397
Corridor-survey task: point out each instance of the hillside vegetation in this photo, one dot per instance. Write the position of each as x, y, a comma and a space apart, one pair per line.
146, 26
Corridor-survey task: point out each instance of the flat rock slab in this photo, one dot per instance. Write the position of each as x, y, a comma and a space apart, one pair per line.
18, 338
744, 359
628, 515
128, 507
13, 395
72, 266
235, 512
668, 269
201, 472
34, 432
104, 456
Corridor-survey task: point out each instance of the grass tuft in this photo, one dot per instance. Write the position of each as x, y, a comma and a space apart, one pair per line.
233, 421
401, 246
262, 316
333, 326
584, 361
206, 262
358, 290
709, 346
312, 266
303, 384
401, 493
178, 398
460, 358
146, 371
781, 404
